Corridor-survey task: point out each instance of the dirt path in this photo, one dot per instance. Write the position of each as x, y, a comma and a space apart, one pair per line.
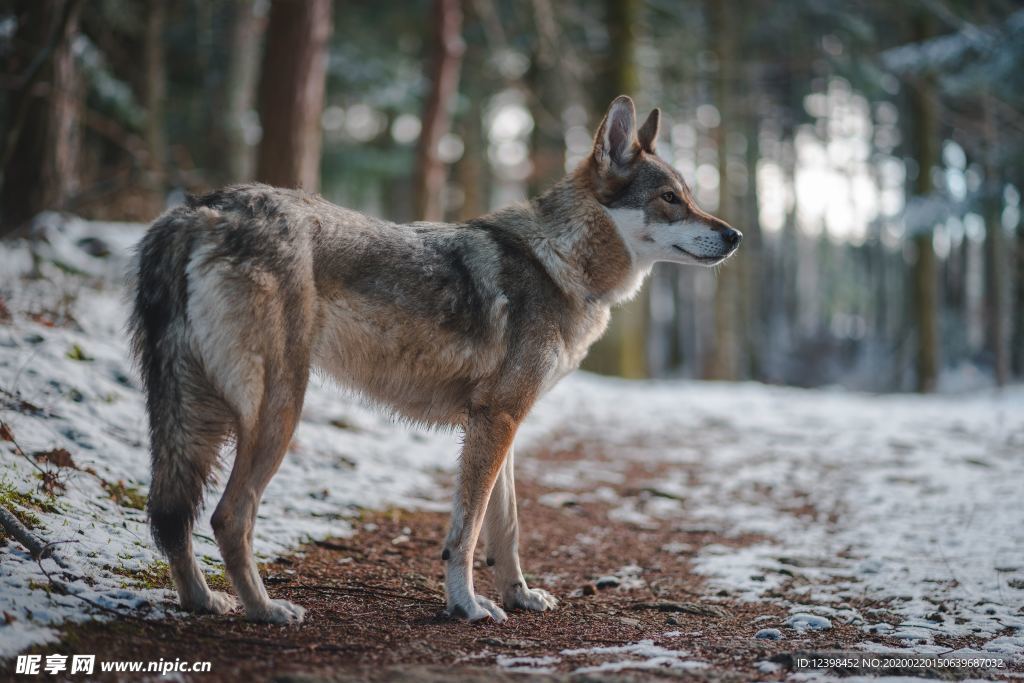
374, 607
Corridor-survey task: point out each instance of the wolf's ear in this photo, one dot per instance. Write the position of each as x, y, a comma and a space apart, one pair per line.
648, 135
615, 143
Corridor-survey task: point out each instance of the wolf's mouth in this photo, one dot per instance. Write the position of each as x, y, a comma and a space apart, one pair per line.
702, 259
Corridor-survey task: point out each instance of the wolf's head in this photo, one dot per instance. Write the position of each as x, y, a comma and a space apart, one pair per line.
647, 199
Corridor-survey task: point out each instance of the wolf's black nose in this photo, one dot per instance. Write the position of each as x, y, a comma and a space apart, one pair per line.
731, 236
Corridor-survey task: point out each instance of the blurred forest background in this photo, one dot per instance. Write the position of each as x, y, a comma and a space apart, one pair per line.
872, 152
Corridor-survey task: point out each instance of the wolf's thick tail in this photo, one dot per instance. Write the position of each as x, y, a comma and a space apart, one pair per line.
160, 342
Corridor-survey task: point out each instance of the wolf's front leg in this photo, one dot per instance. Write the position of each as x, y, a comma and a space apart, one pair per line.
488, 437
501, 533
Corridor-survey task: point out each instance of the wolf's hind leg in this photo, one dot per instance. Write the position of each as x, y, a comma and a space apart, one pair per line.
501, 534
261, 448
176, 494
193, 592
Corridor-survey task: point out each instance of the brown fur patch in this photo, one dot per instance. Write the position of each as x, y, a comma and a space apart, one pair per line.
604, 258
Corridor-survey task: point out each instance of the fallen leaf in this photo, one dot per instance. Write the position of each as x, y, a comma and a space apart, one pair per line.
60, 457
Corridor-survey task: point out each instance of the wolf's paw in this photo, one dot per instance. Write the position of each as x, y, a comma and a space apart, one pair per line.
213, 602
221, 602
278, 612
536, 599
479, 608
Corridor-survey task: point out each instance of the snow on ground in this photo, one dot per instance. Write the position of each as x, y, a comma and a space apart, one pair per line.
912, 501
915, 502
643, 654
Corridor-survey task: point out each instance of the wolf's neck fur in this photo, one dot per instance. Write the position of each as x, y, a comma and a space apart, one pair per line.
576, 240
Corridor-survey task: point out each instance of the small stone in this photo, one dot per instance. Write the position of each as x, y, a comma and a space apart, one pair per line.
629, 622
803, 621
608, 582
588, 589
672, 621
769, 634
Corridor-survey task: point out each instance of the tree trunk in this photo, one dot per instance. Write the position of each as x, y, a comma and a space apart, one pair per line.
996, 311
1018, 313
623, 349
472, 171
547, 140
924, 125
443, 74
156, 90
633, 317
755, 300
724, 362
548, 83
243, 72
292, 93
41, 146
472, 167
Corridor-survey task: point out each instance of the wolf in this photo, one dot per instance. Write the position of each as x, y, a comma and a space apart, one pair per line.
241, 292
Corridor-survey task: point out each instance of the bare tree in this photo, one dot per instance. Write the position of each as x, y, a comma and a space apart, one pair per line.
548, 83
443, 74
40, 147
1017, 347
243, 73
156, 91
924, 121
996, 309
623, 349
292, 93
724, 360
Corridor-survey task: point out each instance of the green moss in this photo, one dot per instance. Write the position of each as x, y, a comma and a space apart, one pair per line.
156, 575
76, 353
125, 495
218, 580
22, 504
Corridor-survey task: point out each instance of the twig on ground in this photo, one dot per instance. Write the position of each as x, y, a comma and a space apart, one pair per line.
19, 532
64, 589
9, 436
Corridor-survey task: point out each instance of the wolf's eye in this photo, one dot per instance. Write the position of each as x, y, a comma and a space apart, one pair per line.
670, 197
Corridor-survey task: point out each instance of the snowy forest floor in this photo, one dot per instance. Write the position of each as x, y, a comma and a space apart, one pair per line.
634, 604
633, 607
675, 520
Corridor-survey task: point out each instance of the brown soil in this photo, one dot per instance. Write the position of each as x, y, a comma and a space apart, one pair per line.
374, 606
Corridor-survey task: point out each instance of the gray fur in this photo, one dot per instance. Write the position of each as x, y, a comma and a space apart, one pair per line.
241, 292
